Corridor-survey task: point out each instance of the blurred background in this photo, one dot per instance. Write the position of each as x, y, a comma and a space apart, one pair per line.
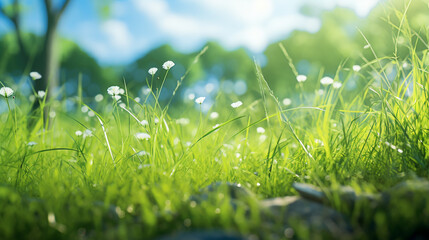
107, 42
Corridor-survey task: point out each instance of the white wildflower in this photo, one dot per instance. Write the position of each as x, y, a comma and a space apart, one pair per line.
167, 65
87, 133
137, 99
144, 122
35, 75
263, 137
200, 100
30, 144
214, 115
99, 98
326, 81
152, 71
287, 101
115, 90
84, 109
78, 133
366, 46
6, 92
260, 130
146, 90
191, 96
52, 114
91, 114
143, 153
301, 78
142, 136
356, 68
319, 142
337, 85
41, 94
183, 121
236, 104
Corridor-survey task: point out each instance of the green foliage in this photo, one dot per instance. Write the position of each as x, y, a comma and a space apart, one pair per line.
107, 181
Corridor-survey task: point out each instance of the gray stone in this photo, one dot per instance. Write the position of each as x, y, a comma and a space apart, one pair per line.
306, 215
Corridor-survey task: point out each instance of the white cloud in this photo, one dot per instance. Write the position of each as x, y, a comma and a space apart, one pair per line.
137, 26
234, 23
117, 34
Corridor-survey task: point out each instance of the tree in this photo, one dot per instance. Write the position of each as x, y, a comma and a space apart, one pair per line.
47, 63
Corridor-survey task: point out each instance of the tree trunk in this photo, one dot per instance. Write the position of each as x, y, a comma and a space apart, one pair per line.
48, 64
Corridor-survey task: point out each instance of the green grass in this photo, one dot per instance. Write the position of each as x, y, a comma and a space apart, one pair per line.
67, 186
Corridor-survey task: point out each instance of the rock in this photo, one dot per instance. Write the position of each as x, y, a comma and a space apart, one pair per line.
203, 235
344, 195
305, 215
234, 190
219, 191
410, 190
310, 192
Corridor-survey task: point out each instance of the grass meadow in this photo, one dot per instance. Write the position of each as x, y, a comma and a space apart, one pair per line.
120, 166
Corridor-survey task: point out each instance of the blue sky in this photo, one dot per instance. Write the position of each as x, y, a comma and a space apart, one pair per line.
134, 27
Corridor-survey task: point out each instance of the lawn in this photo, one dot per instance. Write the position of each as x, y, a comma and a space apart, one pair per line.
120, 166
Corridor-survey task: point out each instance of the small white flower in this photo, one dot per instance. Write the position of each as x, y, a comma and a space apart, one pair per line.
152, 71
91, 114
6, 92
122, 105
156, 120
30, 144
52, 114
115, 90
215, 126
326, 81
214, 115
183, 121
144, 122
301, 78
200, 100
236, 104
78, 133
41, 94
191, 96
320, 92
146, 90
99, 98
400, 150
137, 99
260, 130
142, 136
262, 138
319, 142
87, 133
337, 85
356, 68
287, 101
143, 153
35, 75
167, 65
84, 109
366, 46
116, 97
